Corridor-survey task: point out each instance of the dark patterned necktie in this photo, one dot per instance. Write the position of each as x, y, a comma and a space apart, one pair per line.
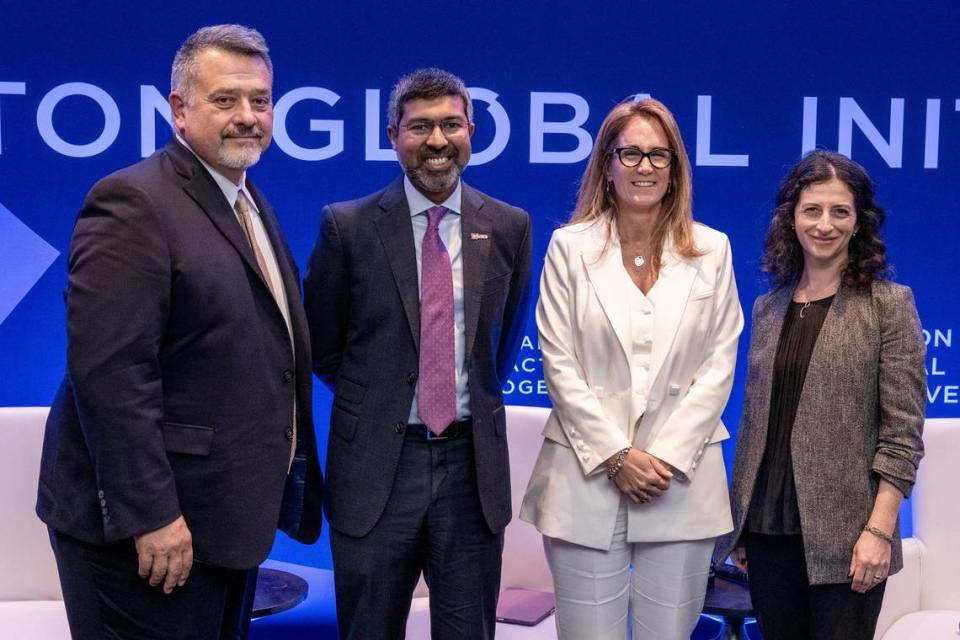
437, 395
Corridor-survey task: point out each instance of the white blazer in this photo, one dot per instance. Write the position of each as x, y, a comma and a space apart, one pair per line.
583, 317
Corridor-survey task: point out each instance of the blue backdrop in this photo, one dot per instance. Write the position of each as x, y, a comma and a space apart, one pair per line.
753, 85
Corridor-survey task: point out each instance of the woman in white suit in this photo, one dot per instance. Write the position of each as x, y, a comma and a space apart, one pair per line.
639, 320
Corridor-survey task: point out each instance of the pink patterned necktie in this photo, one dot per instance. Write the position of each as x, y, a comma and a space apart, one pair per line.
437, 395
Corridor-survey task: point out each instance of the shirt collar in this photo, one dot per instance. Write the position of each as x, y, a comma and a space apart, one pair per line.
229, 189
419, 203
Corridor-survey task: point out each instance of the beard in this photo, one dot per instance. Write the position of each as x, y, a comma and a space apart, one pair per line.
431, 181
243, 155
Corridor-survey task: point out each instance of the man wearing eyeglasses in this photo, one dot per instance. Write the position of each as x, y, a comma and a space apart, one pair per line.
415, 297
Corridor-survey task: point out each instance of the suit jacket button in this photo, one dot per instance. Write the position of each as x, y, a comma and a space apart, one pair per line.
412, 377
106, 519
288, 376
288, 433
100, 494
104, 511
399, 427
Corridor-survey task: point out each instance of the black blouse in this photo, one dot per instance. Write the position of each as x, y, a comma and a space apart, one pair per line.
773, 507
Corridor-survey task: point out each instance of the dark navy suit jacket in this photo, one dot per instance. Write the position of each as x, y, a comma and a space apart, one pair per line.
181, 380
363, 305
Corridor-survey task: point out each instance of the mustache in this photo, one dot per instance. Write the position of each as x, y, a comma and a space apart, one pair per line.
448, 151
241, 132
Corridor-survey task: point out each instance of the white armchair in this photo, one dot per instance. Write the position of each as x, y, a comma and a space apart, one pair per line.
922, 602
31, 604
524, 563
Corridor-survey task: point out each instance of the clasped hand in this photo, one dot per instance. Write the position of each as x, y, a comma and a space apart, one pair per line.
165, 555
643, 477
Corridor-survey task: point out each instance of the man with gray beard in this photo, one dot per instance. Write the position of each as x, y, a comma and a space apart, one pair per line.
416, 297
182, 434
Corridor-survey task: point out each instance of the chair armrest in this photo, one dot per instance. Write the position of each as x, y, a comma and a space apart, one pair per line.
902, 594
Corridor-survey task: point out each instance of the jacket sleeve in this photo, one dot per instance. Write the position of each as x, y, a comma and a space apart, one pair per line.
515, 310
901, 386
688, 430
587, 429
327, 299
117, 306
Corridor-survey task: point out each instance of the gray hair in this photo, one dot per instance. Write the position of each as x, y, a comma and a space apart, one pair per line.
426, 84
233, 38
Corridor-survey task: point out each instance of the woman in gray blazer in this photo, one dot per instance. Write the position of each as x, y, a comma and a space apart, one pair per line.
830, 435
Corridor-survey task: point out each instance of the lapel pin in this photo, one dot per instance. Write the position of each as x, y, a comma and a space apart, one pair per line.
479, 236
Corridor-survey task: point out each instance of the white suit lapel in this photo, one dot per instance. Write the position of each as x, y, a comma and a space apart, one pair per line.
605, 272
676, 278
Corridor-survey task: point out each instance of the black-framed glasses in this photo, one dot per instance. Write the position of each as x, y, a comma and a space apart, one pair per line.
424, 128
660, 158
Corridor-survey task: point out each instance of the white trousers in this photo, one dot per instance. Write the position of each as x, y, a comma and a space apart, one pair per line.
596, 591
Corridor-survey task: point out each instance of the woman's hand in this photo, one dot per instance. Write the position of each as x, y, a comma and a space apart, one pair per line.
739, 558
870, 562
643, 477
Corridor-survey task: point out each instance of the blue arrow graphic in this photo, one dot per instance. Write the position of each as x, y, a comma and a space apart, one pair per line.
24, 256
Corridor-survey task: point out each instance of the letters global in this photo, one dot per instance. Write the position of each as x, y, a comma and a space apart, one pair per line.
96, 126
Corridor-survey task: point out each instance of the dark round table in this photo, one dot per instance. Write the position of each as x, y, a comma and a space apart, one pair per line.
277, 591
730, 600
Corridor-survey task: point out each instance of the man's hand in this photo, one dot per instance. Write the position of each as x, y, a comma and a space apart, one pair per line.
166, 555
643, 477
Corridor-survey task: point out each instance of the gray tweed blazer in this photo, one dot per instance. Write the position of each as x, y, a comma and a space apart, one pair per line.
860, 419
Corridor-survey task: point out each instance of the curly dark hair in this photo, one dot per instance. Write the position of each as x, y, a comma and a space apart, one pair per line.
782, 255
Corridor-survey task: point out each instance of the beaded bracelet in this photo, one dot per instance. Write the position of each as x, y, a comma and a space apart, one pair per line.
614, 469
880, 534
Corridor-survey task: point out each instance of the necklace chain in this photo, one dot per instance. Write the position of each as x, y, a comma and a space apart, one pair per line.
814, 297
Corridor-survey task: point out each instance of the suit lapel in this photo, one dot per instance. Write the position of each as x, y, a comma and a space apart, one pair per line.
673, 286
476, 236
765, 337
818, 371
199, 185
396, 234
606, 274
285, 263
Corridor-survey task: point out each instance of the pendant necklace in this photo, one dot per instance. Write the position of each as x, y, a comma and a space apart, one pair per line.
810, 298
639, 261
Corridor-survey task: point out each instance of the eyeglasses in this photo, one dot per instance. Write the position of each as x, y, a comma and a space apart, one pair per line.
631, 156
424, 128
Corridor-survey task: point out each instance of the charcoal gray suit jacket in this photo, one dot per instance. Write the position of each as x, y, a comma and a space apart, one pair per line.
362, 301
